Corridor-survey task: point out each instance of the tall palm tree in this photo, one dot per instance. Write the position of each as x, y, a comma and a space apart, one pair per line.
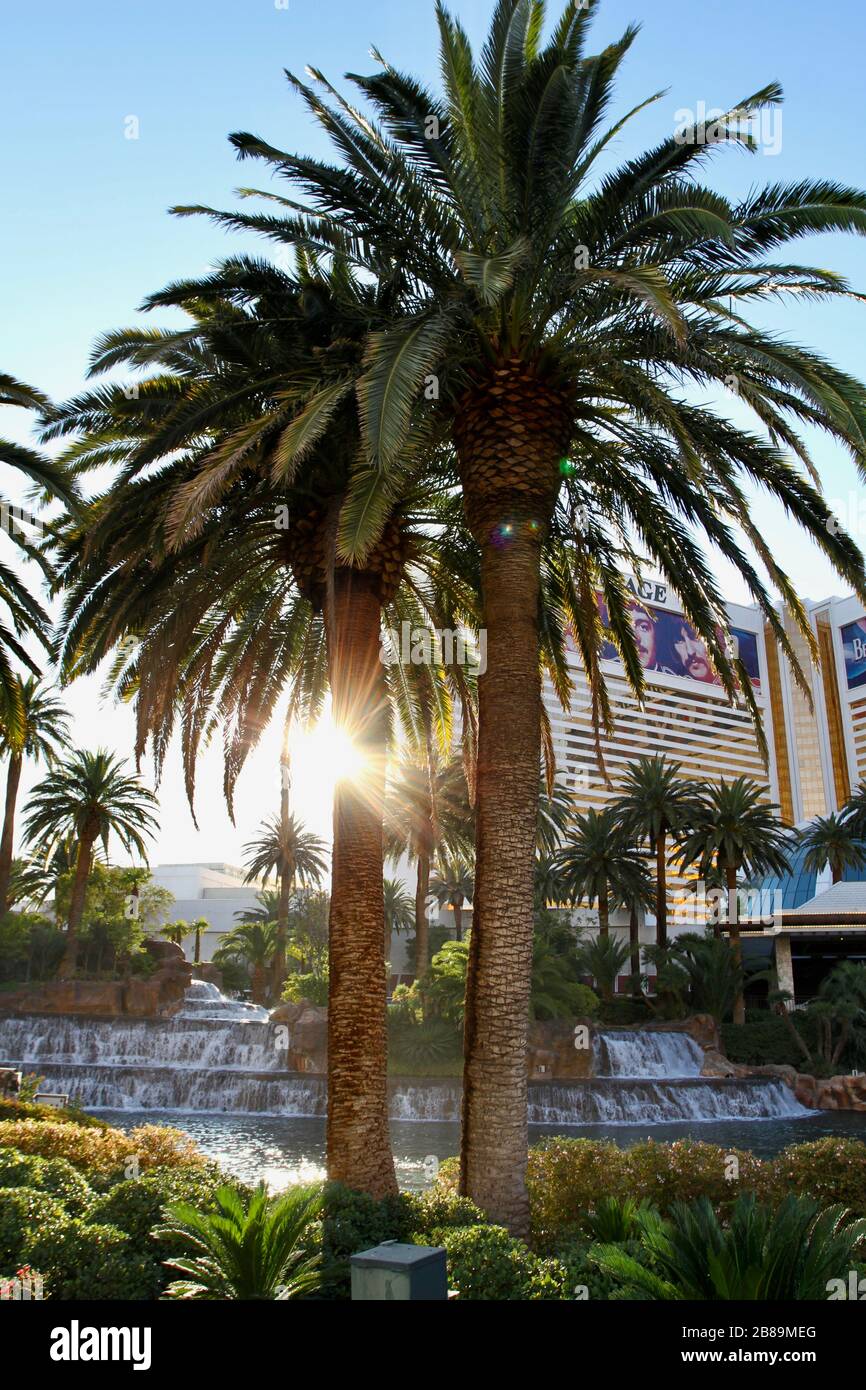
654, 801
599, 863
232, 588
41, 736
293, 854
831, 840
452, 885
558, 306
399, 911
268, 900
90, 797
426, 813
736, 830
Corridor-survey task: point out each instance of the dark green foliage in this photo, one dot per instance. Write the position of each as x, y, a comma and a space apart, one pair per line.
485, 1263
54, 1176
20, 1209
764, 1039
83, 1260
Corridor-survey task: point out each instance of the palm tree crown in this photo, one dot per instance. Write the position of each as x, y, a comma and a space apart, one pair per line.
90, 795
831, 840
288, 850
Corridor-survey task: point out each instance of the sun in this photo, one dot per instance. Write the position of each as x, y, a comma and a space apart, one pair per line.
321, 758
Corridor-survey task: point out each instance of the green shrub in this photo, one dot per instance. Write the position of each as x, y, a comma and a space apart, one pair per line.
687, 1169
83, 1260
104, 1152
764, 1039
830, 1170
22, 1208
55, 1176
581, 1273
434, 1047
311, 988
565, 1178
485, 1263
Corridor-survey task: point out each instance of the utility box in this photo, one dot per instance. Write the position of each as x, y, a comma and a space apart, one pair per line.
410, 1273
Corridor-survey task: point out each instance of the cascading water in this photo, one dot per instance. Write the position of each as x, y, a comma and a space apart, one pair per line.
219, 1056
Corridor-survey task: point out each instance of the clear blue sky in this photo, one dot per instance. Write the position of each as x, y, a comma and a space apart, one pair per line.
84, 232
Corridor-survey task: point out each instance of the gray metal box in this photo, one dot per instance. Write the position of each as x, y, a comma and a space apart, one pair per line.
406, 1272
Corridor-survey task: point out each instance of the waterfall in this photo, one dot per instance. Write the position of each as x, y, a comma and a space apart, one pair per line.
220, 1056
619, 1052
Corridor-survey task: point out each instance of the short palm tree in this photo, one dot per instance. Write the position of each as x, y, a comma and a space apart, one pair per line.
91, 797
599, 862
268, 900
603, 957
250, 1247
43, 733
198, 927
654, 801
293, 854
560, 303
831, 840
736, 830
252, 945
176, 932
399, 911
452, 885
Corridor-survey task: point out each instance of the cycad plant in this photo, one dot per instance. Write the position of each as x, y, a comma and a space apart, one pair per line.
831, 840
88, 797
251, 1247
736, 830
40, 733
560, 305
791, 1253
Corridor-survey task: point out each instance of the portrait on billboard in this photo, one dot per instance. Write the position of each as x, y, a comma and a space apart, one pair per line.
668, 644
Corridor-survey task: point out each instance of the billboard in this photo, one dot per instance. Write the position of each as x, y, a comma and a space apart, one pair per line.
668, 645
854, 646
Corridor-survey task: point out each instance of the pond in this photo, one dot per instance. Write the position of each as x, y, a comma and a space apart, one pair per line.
283, 1150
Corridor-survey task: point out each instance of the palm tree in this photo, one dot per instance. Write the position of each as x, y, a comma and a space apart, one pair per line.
558, 307
251, 1247
735, 830
234, 586
88, 796
176, 932
426, 813
654, 802
42, 734
199, 927
252, 945
293, 854
268, 900
599, 863
603, 958
24, 614
452, 885
831, 840
399, 911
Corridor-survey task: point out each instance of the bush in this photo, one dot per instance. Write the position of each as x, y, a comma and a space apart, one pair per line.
764, 1039
565, 1177
101, 1152
56, 1176
687, 1169
433, 1048
20, 1209
581, 1273
485, 1263
83, 1260
136, 1204
829, 1170
313, 989
24, 1110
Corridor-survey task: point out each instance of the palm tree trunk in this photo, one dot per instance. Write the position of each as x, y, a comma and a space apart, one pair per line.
422, 926
734, 933
458, 921
358, 1140
634, 940
511, 434
13, 777
603, 913
259, 983
69, 962
661, 891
